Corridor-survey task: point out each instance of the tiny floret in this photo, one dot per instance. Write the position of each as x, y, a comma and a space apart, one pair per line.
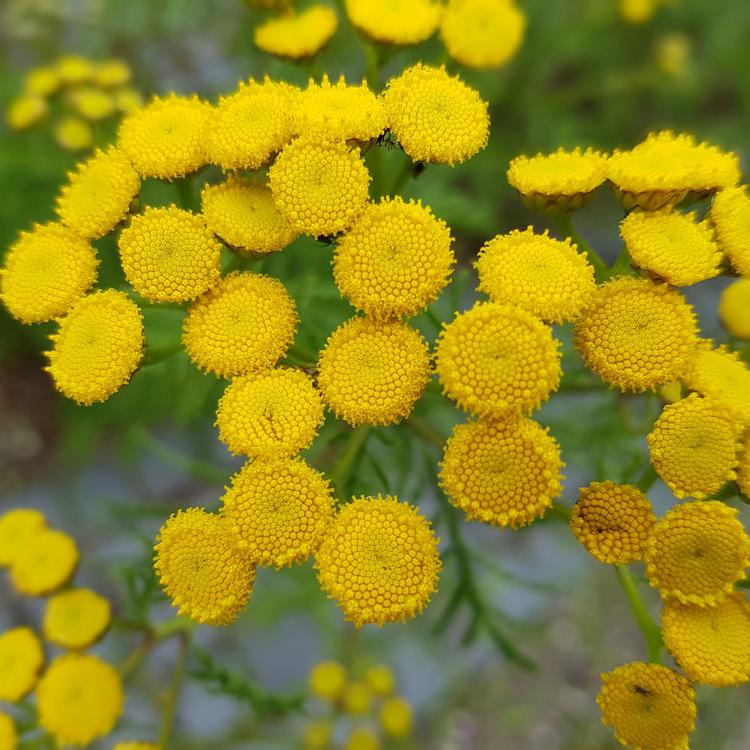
21, 661
76, 618
297, 34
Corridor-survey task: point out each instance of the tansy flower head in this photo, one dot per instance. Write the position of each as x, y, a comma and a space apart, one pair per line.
394, 260
636, 334
128, 99
243, 324
734, 308
743, 468
169, 255
362, 738
79, 698
73, 133
97, 348
648, 706
98, 194
318, 734
380, 679
21, 661
397, 21
482, 34
327, 680
279, 509
357, 698
164, 139
17, 526
697, 552
612, 521
244, 215
25, 112
8, 734
545, 276
503, 472
711, 644
273, 413
44, 564
436, 117
694, 446
112, 72
321, 187
93, 104
74, 69
297, 34
671, 246
41, 81
202, 567
638, 11
495, 359
373, 373
76, 618
395, 717
730, 215
379, 561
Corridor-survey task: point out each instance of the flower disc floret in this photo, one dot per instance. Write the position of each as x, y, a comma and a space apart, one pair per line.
379, 561
202, 568
98, 194
396, 21
321, 187
327, 680
242, 325
297, 34
497, 359
279, 508
697, 552
97, 347
394, 260
545, 276
734, 308
637, 335
169, 255
76, 618
45, 563
730, 215
17, 526
503, 472
436, 117
21, 661
373, 372
8, 734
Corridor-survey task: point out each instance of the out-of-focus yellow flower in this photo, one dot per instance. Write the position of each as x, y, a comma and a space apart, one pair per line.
362, 738
8, 734
327, 680
397, 21
297, 34
26, 111
76, 618
357, 698
318, 735
396, 717
73, 133
734, 308
127, 99
380, 678
672, 54
74, 69
17, 526
638, 11
41, 81
93, 104
45, 563
21, 661
114, 72
730, 215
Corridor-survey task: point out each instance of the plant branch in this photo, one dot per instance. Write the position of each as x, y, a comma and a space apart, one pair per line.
650, 630
342, 469
175, 690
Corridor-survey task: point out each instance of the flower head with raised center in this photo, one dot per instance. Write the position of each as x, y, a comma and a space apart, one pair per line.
730, 215
45, 563
21, 661
76, 618
297, 34
395, 21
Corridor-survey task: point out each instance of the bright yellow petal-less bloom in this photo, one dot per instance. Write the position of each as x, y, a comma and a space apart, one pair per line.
612, 521
357, 698
637, 335
327, 680
93, 104
373, 373
202, 568
8, 734
97, 347
730, 215
279, 509
362, 738
73, 133
128, 99
394, 260
80, 698
638, 11
76, 618
734, 308
114, 72
503, 472
648, 706
318, 734
17, 526
379, 561
244, 324
697, 552
41, 81
45, 563
74, 69
436, 117
26, 111
380, 679
21, 661
497, 359
395, 21
395, 717
297, 34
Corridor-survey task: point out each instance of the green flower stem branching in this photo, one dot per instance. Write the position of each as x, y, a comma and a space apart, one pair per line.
154, 635
651, 631
564, 224
155, 356
342, 470
175, 690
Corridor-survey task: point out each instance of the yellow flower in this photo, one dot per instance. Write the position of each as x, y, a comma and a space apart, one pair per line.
242, 325
26, 111
97, 348
41, 81
482, 34
612, 521
339, 112
638, 11
112, 72
694, 446
671, 246
379, 560
79, 698
396, 717
321, 187
730, 215
380, 679
272, 413
362, 738
202, 568
76, 618
93, 104
697, 552
545, 276
734, 308
165, 139
248, 127
373, 373
436, 117
17, 527
649, 707
327, 680
637, 335
46, 562
135, 745
318, 734
45, 272
397, 21
743, 470
244, 215
128, 99
279, 509
74, 69
357, 698
169, 255
8, 735
672, 53
711, 644
21, 661
495, 359
73, 134
504, 472
98, 195
394, 260
297, 34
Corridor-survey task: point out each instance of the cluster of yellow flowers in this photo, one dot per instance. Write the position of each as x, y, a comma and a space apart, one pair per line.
78, 91
361, 711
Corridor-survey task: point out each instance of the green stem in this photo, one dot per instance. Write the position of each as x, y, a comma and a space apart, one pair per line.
342, 469
175, 690
650, 630
404, 174
185, 193
558, 510
372, 65
564, 224
154, 356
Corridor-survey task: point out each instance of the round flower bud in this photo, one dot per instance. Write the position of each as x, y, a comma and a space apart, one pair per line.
17, 527
327, 680
396, 717
21, 661
45, 563
76, 618
380, 679
73, 134
396, 22
734, 308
